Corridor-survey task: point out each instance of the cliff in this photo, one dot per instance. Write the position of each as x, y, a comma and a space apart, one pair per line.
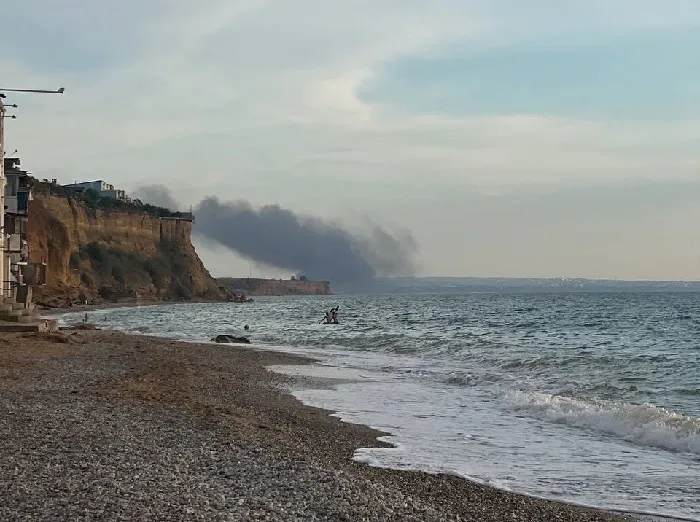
251, 286
112, 254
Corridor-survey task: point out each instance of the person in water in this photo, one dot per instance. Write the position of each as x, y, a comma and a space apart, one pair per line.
332, 316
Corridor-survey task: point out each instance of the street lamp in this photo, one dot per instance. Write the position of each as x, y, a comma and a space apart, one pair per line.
58, 91
3, 108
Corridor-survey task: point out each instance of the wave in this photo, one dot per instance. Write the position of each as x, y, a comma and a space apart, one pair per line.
642, 424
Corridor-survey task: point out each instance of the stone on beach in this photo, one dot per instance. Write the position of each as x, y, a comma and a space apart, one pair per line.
225, 338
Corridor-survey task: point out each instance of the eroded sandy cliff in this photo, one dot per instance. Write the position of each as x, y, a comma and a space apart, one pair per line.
106, 255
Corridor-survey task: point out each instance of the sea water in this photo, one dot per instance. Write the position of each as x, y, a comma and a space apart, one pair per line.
588, 398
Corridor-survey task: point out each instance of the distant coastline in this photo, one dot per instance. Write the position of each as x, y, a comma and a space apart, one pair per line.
527, 285
258, 287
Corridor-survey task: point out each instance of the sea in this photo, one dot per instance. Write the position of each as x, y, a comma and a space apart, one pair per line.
590, 398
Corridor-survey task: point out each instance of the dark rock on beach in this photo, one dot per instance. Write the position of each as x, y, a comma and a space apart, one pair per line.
230, 339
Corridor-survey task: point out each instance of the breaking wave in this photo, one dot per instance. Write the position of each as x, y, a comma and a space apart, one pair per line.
642, 424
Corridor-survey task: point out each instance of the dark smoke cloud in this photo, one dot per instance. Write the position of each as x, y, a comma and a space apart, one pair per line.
278, 237
156, 195
389, 254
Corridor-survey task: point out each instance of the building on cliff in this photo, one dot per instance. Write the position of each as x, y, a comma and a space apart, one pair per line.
103, 188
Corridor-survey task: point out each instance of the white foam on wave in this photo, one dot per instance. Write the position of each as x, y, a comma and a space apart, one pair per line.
643, 424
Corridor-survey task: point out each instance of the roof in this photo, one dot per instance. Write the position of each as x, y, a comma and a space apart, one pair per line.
11, 163
84, 183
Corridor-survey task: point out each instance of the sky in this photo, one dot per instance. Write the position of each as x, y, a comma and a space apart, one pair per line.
547, 138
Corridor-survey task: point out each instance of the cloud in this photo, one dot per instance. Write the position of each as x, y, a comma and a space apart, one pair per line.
267, 101
256, 74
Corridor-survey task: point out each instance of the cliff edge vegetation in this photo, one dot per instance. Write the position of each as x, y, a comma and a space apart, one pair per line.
104, 250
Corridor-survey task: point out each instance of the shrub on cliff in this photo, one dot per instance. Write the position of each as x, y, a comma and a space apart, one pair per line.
87, 280
96, 251
118, 273
93, 200
125, 267
158, 269
181, 290
74, 261
108, 293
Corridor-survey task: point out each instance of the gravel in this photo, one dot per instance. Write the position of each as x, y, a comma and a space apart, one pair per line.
104, 426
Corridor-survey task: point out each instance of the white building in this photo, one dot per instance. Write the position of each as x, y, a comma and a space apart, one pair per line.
100, 186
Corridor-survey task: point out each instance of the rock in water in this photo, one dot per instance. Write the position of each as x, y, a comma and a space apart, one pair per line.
230, 339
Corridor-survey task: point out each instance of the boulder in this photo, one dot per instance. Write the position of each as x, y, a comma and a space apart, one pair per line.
224, 338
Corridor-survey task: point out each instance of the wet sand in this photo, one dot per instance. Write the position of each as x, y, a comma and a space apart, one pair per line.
107, 426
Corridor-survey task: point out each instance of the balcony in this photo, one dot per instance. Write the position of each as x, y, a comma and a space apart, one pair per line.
17, 204
15, 245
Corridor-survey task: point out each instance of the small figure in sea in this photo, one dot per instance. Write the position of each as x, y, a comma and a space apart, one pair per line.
85, 319
331, 316
246, 327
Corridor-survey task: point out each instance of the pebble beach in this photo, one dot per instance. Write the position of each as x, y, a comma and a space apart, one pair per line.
100, 425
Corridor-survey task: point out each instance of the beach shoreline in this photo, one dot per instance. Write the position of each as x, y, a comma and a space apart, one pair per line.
127, 303
269, 455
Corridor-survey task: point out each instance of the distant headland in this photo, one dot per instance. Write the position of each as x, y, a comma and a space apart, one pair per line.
293, 286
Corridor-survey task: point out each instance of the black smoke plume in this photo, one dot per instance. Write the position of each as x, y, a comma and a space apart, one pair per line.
157, 195
278, 237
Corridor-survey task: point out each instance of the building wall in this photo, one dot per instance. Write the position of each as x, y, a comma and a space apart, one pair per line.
15, 226
4, 266
114, 194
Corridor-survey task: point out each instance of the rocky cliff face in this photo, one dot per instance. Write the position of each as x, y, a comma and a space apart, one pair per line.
107, 255
275, 286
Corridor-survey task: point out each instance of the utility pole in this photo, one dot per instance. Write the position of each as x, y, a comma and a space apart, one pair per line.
4, 260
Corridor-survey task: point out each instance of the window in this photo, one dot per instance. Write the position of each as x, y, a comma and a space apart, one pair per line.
11, 186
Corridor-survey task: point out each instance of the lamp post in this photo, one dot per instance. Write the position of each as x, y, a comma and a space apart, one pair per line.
44, 91
4, 261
